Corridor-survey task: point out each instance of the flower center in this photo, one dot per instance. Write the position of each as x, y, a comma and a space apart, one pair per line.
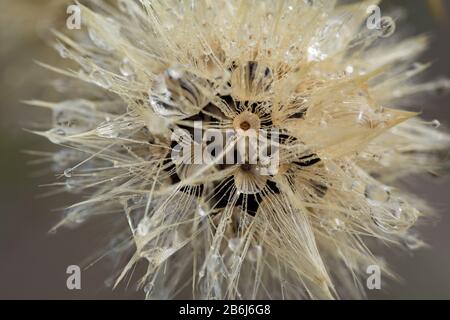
245, 125
246, 121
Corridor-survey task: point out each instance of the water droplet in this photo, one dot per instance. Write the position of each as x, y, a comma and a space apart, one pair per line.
441, 86
80, 219
62, 50
413, 243
123, 6
338, 224
109, 282
175, 93
68, 173
254, 252
213, 264
148, 287
201, 211
143, 227
100, 80
315, 54
234, 244
73, 116
387, 27
349, 69
97, 40
126, 68
74, 218
397, 208
107, 130
376, 193
435, 123
56, 135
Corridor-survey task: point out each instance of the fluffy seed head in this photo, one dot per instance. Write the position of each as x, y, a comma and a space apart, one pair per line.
310, 74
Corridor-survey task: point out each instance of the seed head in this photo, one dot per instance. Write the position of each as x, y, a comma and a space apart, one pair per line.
304, 84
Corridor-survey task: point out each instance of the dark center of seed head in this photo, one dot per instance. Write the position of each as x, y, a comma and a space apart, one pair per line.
246, 167
245, 125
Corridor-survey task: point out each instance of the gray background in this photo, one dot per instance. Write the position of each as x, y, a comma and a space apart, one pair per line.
33, 262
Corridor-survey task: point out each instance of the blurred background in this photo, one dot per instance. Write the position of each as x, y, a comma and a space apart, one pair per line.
33, 262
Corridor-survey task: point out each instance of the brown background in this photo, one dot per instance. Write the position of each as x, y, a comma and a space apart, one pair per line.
33, 262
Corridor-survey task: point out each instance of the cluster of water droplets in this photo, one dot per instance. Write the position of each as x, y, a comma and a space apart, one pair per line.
71, 117
389, 212
177, 93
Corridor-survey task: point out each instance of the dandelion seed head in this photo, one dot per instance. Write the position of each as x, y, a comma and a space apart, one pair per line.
309, 71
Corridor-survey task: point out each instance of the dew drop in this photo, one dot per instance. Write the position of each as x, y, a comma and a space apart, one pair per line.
254, 252
62, 50
387, 27
175, 94
201, 211
68, 173
97, 40
338, 225
148, 287
376, 193
435, 123
412, 243
441, 86
56, 135
349, 69
123, 6
126, 69
234, 244
107, 130
109, 282
315, 54
213, 264
143, 227
103, 82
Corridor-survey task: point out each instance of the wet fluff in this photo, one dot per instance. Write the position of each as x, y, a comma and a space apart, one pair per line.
312, 71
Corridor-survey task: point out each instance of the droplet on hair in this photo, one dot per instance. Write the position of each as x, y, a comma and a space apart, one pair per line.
213, 264
201, 211
349, 69
56, 135
68, 173
387, 27
411, 242
62, 50
143, 227
100, 80
123, 6
107, 130
148, 287
441, 86
176, 93
435, 123
234, 244
254, 253
126, 69
376, 193
97, 40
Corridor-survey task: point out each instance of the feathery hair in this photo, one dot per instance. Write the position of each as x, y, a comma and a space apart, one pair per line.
311, 70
